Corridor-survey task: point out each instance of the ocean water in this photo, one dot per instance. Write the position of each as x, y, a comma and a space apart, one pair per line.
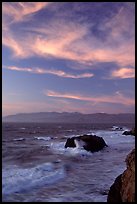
37, 168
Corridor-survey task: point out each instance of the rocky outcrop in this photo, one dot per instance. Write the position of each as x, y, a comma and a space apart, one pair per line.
130, 132
123, 189
114, 192
91, 143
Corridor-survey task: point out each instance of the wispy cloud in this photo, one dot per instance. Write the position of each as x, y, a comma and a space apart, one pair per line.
14, 68
68, 45
59, 73
18, 10
71, 40
9, 41
117, 98
123, 73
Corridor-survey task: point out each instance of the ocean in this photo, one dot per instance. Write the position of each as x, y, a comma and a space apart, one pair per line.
37, 168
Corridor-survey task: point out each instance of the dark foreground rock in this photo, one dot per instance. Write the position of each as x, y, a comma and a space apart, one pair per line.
123, 189
91, 143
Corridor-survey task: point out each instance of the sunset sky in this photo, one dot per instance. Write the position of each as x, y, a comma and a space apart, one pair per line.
71, 56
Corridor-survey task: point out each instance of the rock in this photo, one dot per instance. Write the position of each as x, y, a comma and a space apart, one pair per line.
128, 179
114, 192
123, 189
91, 143
130, 132
116, 128
70, 142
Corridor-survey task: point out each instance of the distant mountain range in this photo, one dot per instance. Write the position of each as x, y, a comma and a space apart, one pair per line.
65, 117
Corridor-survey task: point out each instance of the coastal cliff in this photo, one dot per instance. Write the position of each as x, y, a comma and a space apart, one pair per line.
123, 189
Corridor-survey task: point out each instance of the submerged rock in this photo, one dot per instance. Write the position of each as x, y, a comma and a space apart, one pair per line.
123, 189
91, 143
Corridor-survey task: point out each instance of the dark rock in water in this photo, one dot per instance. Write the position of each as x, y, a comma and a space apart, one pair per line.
130, 132
70, 142
123, 189
91, 143
116, 128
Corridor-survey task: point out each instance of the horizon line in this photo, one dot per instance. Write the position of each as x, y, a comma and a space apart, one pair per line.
66, 112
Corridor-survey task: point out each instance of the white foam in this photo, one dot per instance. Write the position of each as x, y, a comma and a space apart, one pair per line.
78, 152
90, 133
19, 139
114, 137
59, 147
117, 128
17, 180
43, 138
79, 143
70, 136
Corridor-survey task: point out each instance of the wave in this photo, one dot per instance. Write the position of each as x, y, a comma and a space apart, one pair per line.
59, 147
16, 180
43, 138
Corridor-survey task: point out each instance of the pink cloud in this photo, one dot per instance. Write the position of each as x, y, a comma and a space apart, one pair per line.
18, 10
69, 40
68, 46
59, 73
13, 44
60, 104
123, 73
117, 98
14, 68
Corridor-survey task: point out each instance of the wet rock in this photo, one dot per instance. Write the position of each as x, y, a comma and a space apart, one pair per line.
70, 142
123, 189
91, 143
130, 132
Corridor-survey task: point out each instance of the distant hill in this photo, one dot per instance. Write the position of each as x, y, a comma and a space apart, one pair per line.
65, 117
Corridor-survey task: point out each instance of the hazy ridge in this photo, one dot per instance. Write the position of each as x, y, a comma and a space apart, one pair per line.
65, 117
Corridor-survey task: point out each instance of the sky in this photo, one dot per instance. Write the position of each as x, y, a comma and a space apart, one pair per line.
68, 57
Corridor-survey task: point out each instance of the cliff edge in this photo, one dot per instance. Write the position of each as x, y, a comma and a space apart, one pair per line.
123, 189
